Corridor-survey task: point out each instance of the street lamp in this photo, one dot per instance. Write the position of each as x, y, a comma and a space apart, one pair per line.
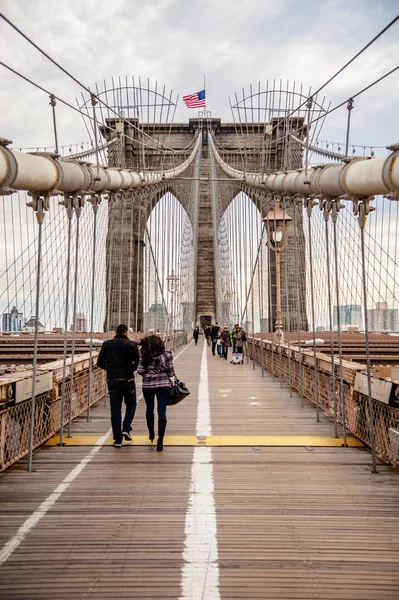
172, 288
226, 308
277, 237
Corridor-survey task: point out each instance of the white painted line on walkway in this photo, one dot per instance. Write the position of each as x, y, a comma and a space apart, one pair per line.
200, 573
45, 506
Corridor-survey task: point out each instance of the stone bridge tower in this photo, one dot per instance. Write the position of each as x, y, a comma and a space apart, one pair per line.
178, 136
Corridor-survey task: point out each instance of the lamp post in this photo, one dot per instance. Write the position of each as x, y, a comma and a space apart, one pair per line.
226, 308
172, 289
277, 236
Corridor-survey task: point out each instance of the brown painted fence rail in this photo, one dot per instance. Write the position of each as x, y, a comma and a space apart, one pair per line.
357, 418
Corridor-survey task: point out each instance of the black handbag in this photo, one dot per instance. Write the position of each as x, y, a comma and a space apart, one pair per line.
178, 392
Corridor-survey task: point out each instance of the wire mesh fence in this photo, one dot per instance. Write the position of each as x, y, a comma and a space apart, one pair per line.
15, 420
356, 405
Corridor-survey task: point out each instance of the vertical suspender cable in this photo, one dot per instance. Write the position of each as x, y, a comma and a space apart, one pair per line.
334, 393
251, 237
111, 226
279, 323
78, 211
260, 288
40, 214
68, 203
287, 317
95, 202
298, 303
316, 378
121, 259
53, 104
334, 215
6, 254
138, 268
362, 222
270, 311
129, 307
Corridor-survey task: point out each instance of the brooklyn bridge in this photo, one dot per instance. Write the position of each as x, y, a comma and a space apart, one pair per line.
279, 476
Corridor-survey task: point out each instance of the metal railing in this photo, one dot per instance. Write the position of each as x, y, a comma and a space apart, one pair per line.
357, 419
15, 420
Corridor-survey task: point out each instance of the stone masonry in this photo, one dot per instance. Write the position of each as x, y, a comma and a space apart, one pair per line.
127, 226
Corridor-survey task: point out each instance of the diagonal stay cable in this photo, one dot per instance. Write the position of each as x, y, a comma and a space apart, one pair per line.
87, 89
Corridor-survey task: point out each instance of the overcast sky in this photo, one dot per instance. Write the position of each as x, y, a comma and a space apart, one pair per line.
177, 42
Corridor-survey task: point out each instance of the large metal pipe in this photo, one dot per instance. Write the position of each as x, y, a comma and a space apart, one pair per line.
42, 174
359, 178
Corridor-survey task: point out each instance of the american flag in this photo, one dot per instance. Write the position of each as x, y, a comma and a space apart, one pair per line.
195, 100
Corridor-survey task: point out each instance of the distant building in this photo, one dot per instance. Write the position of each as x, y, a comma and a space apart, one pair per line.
30, 325
81, 323
350, 315
13, 320
156, 318
382, 318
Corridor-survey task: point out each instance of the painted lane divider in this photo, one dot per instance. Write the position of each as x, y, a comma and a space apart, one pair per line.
200, 573
46, 505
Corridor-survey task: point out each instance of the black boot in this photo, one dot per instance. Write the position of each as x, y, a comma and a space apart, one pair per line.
150, 425
161, 433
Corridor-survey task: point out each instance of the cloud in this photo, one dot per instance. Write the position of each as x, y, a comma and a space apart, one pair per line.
176, 42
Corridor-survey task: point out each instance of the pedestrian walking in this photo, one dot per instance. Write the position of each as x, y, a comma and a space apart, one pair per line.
119, 357
219, 345
239, 339
225, 341
214, 336
232, 337
207, 333
156, 368
196, 335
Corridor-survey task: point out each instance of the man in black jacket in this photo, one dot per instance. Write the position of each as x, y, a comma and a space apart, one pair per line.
120, 357
214, 336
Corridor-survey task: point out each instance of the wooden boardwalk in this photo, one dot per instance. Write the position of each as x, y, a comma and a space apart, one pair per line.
198, 521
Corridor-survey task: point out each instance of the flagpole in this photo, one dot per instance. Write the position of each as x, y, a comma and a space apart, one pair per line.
205, 96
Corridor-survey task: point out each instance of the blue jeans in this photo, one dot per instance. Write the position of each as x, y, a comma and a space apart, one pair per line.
120, 389
162, 394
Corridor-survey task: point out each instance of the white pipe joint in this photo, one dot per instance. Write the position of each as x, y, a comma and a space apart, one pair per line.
116, 180
137, 180
363, 177
8, 167
278, 183
302, 182
101, 179
390, 172
75, 177
270, 181
325, 181
289, 183
35, 173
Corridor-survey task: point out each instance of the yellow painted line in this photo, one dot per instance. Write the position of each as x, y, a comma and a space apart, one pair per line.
280, 440
218, 440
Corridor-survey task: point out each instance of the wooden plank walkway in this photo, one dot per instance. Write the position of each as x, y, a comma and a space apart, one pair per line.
291, 522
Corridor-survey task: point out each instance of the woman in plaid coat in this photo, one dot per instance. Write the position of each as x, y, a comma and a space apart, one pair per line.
157, 370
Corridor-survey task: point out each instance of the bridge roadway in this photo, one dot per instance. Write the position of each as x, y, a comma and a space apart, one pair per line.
283, 518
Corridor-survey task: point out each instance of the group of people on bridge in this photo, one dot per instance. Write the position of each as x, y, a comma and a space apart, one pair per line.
120, 358
221, 339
